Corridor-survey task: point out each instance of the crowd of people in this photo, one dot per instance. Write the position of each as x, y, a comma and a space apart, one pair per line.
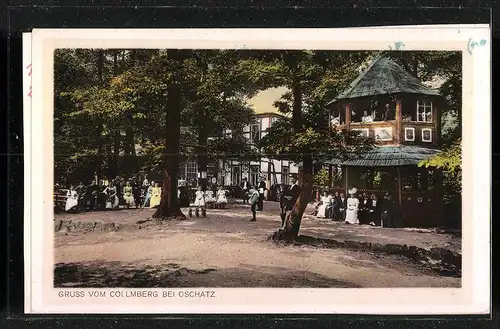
112, 194
362, 209
131, 193
357, 208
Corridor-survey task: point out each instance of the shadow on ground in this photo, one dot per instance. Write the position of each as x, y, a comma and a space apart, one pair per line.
172, 275
440, 261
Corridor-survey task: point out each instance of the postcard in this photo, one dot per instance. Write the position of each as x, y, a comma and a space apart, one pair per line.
266, 171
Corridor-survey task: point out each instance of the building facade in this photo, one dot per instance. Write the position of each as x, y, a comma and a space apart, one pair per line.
232, 172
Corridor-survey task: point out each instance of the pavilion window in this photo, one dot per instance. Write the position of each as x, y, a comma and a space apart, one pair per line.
424, 111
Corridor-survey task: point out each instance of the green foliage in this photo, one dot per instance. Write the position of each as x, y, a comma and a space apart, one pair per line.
321, 178
450, 159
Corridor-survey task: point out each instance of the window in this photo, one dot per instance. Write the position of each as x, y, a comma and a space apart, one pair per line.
285, 174
254, 175
191, 170
424, 111
236, 175
255, 133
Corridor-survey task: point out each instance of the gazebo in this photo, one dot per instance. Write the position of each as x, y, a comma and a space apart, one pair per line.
403, 115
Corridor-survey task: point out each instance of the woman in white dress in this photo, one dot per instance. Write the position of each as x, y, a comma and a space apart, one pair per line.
71, 200
351, 216
221, 197
199, 198
113, 201
128, 195
324, 204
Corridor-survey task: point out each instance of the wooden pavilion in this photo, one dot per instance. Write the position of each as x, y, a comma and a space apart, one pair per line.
403, 115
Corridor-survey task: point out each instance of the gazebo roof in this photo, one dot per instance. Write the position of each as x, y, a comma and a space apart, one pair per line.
383, 76
389, 156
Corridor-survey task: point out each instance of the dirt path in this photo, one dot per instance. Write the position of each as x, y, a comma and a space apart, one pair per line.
223, 250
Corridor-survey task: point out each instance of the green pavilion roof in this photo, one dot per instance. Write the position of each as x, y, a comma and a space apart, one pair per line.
388, 156
383, 76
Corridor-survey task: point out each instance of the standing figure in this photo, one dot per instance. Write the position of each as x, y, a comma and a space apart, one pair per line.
366, 118
91, 195
128, 195
112, 202
374, 216
254, 200
291, 198
71, 200
155, 196
245, 187
351, 216
283, 200
80, 190
262, 189
210, 198
388, 217
136, 192
221, 198
364, 209
342, 207
147, 197
332, 202
199, 203
145, 182
324, 204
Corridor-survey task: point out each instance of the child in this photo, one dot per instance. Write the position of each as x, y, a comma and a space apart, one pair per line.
254, 200
221, 198
199, 199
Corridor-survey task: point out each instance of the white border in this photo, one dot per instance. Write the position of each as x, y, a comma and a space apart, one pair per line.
378, 129
472, 298
26, 39
408, 139
430, 135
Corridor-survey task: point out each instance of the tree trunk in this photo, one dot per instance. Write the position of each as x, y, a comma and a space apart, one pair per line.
100, 73
330, 175
169, 205
294, 217
202, 159
116, 153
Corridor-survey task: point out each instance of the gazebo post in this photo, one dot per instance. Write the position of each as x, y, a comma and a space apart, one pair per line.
399, 120
346, 182
330, 175
348, 115
400, 192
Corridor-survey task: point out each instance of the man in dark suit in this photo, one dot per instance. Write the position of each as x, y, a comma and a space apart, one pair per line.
262, 189
342, 206
389, 212
364, 209
245, 187
91, 195
290, 198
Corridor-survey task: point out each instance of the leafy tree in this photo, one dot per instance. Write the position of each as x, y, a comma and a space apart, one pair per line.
307, 74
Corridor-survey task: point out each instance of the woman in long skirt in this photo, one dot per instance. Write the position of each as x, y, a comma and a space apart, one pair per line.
199, 198
351, 216
127, 195
71, 200
324, 204
221, 198
113, 201
155, 196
